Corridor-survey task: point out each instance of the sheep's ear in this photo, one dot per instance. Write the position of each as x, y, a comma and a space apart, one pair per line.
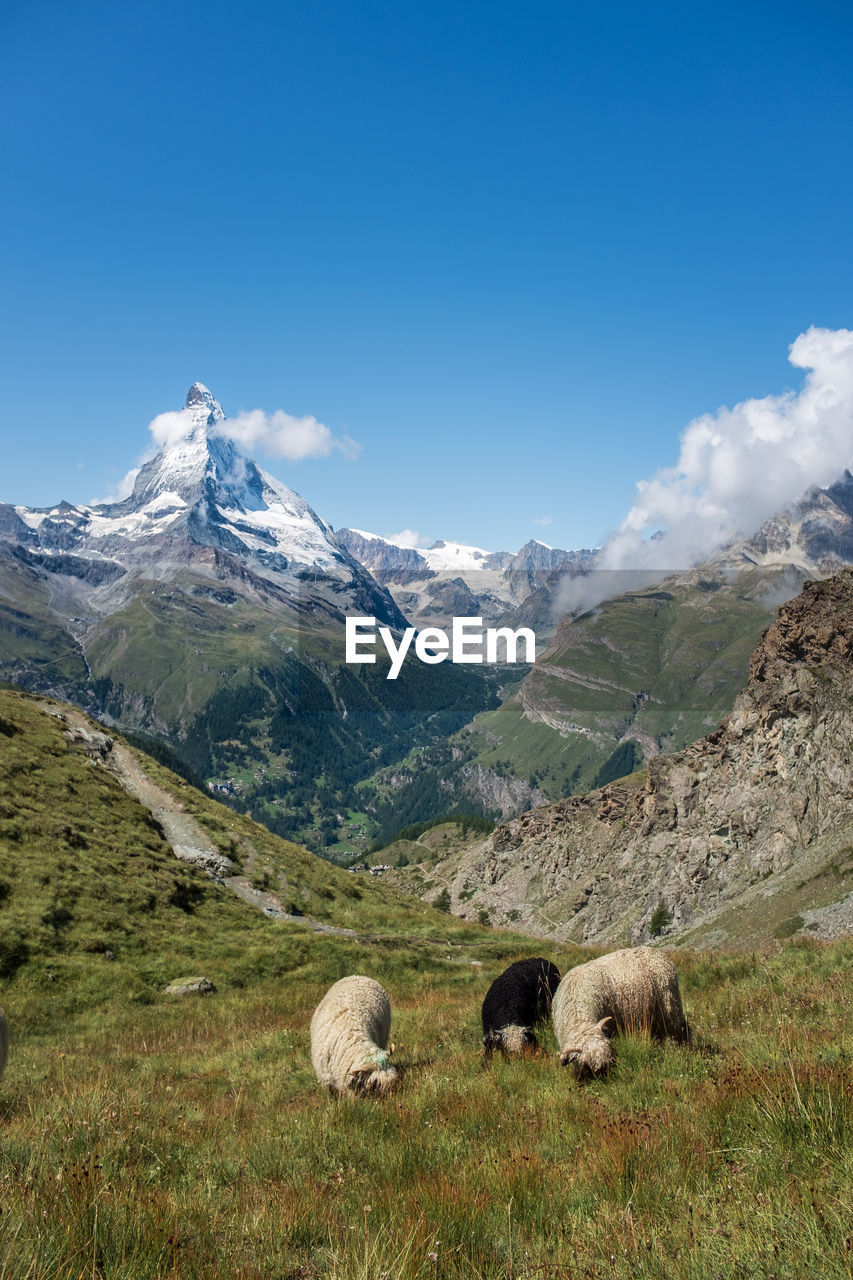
603, 1027
358, 1078
569, 1055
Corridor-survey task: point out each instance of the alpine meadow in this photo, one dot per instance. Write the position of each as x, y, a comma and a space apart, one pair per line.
426, 641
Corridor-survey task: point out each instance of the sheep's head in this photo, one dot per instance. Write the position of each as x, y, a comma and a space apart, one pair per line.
592, 1054
373, 1077
515, 1039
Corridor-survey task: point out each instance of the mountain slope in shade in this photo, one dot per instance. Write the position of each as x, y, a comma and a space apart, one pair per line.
744, 836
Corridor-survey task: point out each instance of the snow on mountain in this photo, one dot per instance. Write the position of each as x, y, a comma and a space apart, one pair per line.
381, 554
377, 537
440, 557
197, 480
445, 557
199, 491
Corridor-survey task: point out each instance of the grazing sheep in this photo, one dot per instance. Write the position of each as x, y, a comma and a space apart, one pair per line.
349, 1037
515, 1001
631, 990
4, 1041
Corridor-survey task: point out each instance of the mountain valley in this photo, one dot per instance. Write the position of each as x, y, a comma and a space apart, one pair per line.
204, 611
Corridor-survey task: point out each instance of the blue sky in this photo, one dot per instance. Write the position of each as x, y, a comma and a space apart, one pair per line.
510, 250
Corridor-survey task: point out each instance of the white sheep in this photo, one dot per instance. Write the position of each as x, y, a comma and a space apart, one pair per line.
349, 1037
635, 989
4, 1041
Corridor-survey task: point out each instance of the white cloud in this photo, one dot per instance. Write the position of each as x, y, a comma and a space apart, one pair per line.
278, 434
122, 489
738, 466
281, 435
735, 468
168, 428
543, 519
408, 538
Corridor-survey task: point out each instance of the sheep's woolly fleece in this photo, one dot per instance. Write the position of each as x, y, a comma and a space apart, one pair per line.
349, 1037
635, 989
518, 999
4, 1041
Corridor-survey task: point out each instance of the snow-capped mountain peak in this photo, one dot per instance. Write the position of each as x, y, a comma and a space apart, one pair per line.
199, 504
195, 452
201, 477
202, 405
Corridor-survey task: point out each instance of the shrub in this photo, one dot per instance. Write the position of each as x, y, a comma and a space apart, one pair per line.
442, 902
659, 919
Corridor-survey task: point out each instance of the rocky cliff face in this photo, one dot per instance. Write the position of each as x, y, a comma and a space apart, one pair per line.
745, 835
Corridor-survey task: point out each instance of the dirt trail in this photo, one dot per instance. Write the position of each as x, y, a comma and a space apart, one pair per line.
184, 834
189, 841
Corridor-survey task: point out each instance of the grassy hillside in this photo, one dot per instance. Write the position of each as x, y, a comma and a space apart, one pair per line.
34, 651
181, 1139
262, 703
659, 668
644, 672
145, 1136
85, 871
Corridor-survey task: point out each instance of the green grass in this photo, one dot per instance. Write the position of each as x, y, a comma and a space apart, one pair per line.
85, 870
146, 1136
663, 665
507, 740
190, 1138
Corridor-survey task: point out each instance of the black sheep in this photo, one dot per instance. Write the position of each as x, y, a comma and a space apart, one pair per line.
515, 1002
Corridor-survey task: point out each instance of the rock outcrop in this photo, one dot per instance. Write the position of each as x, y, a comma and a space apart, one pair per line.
729, 840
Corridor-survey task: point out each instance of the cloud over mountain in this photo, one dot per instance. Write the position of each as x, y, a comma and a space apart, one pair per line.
738, 466
277, 434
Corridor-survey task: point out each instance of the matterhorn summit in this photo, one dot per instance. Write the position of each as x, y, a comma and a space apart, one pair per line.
200, 402
199, 507
194, 451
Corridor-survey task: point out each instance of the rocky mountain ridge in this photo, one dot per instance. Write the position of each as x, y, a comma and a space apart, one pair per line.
744, 835
433, 584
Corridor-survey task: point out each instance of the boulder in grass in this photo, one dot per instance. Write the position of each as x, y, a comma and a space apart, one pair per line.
191, 987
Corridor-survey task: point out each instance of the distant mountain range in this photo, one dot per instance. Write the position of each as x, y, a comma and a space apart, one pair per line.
382, 555
646, 670
432, 585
